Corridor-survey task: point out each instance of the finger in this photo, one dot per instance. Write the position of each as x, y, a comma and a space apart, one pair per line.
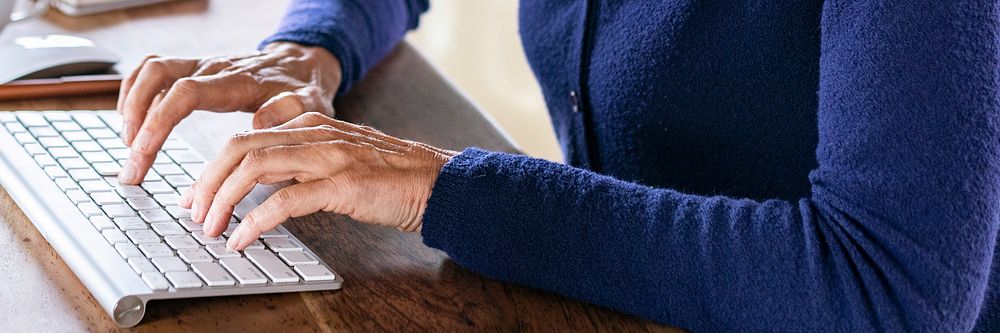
128, 81
293, 201
182, 98
156, 75
234, 151
278, 110
264, 166
312, 119
186, 197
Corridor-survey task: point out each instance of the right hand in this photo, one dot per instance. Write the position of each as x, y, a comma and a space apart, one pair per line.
277, 84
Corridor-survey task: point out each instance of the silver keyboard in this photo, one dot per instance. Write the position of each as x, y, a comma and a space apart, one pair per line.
132, 244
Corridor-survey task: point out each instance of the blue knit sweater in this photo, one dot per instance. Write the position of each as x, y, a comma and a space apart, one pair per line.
733, 165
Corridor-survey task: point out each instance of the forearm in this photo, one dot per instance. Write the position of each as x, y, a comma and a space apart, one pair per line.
358, 33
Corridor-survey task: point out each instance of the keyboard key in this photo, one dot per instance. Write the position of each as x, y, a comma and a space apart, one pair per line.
30, 119
155, 281
169, 264
256, 245
127, 250
63, 152
46, 131
213, 274
102, 133
130, 223
90, 209
130, 191
155, 215
282, 244
57, 116
168, 169
143, 203
120, 210
184, 156
178, 242
111, 143
77, 196
97, 157
273, 233
141, 265
178, 212
35, 149
88, 120
153, 250
119, 154
273, 267
220, 251
52, 142
101, 222
182, 280
45, 160
143, 236
243, 271
107, 198
107, 168
7, 117
84, 174
193, 169
15, 128
112, 119
167, 199
91, 186
207, 240
114, 236
178, 180
73, 163
194, 255
162, 158
75, 136
314, 273
66, 184
168, 228
55, 172
189, 224
66, 126
157, 187
298, 258
88, 147
229, 229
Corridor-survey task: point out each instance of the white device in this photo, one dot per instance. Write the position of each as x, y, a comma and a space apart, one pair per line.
132, 244
51, 56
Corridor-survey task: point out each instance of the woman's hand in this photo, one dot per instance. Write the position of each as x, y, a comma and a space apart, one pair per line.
278, 84
340, 167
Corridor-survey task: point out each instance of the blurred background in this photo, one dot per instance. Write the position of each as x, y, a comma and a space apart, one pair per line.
476, 44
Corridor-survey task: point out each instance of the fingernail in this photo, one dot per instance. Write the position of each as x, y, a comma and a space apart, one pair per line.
234, 239
196, 214
268, 120
208, 225
128, 173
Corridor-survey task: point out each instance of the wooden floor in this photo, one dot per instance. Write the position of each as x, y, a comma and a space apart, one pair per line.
476, 44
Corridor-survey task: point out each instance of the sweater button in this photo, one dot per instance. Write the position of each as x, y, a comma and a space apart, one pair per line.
574, 100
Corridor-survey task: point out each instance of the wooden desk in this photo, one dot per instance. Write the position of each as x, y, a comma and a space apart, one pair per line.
393, 282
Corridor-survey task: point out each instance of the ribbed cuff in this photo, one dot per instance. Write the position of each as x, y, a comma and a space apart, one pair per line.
449, 208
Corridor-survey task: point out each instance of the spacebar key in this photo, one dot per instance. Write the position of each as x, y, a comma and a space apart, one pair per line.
243, 270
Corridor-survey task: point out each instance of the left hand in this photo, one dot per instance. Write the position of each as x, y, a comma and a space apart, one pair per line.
340, 167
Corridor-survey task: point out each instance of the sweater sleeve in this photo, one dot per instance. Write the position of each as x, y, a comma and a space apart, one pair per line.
358, 32
897, 234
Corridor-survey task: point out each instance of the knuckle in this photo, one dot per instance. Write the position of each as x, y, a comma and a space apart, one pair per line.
186, 86
283, 199
255, 159
238, 139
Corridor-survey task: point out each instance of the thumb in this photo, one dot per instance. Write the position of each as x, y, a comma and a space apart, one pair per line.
288, 105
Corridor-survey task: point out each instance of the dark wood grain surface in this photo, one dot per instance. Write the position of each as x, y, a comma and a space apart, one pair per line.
392, 281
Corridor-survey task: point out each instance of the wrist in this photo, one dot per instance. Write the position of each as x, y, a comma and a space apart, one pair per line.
330, 70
